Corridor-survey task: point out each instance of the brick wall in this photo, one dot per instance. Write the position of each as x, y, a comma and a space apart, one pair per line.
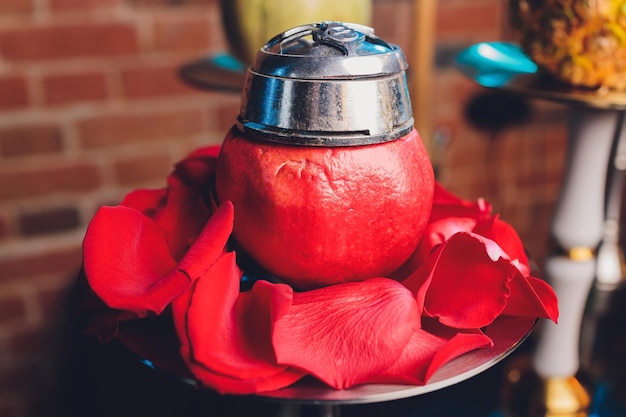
518, 165
91, 107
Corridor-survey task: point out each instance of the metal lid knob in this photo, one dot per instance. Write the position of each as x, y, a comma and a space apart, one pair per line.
327, 84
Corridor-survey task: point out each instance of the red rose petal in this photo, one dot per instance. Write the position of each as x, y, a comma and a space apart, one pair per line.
197, 168
468, 289
190, 325
532, 297
437, 233
257, 310
345, 334
419, 280
450, 215
229, 336
128, 263
181, 211
146, 201
96, 318
443, 196
180, 305
229, 385
470, 281
125, 253
507, 238
179, 316
456, 343
209, 245
182, 217
448, 205
428, 350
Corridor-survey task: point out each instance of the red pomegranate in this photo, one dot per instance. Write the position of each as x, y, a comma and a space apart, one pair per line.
317, 216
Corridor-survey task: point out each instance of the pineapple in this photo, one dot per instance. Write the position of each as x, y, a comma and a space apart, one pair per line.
581, 42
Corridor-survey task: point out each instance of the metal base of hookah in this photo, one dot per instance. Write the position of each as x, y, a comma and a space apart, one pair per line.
599, 386
296, 410
526, 394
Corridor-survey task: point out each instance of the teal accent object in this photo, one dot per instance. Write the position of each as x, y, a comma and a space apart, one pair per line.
229, 62
493, 64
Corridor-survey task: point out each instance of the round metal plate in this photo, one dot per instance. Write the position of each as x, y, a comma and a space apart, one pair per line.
542, 86
217, 73
155, 345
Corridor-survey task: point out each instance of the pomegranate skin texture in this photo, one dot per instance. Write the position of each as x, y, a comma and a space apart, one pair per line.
318, 216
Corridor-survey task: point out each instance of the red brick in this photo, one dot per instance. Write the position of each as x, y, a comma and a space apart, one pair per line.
4, 227
453, 91
9, 408
30, 140
26, 341
182, 34
54, 303
469, 21
118, 129
466, 150
227, 113
12, 307
23, 376
393, 22
68, 88
178, 3
53, 261
81, 4
68, 41
13, 92
139, 170
58, 219
71, 177
154, 81
16, 6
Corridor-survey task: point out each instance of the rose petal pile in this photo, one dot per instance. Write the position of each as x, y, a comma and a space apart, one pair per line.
163, 251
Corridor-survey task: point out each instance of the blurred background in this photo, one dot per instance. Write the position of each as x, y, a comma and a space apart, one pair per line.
92, 106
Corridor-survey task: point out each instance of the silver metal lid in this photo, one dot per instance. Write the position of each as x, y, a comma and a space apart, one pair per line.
327, 84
